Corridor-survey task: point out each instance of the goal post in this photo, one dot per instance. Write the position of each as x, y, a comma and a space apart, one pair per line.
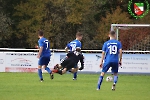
133, 36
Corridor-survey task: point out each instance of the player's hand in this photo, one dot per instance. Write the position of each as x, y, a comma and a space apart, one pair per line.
120, 63
101, 65
37, 47
81, 68
38, 56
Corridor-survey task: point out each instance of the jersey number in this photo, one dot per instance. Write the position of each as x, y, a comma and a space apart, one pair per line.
112, 49
73, 46
47, 44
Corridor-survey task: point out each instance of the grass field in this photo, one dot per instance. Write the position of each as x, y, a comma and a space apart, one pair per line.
26, 86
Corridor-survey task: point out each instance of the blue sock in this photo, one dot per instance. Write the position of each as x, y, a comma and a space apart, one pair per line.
48, 70
115, 79
40, 73
75, 75
100, 80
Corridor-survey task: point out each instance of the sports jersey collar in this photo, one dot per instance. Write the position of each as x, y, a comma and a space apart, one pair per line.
41, 37
112, 39
77, 40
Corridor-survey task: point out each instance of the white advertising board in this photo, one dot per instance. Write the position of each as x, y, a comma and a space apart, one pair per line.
21, 62
132, 63
28, 62
91, 60
135, 63
2, 62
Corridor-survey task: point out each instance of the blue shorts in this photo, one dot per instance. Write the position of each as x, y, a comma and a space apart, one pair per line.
107, 65
43, 61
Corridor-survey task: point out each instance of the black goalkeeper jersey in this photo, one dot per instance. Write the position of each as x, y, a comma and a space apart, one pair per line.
76, 56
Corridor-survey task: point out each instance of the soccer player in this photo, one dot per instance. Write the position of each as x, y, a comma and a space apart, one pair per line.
72, 47
69, 63
112, 57
43, 55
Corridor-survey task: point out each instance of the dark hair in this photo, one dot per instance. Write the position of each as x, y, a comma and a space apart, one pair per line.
112, 33
40, 33
79, 34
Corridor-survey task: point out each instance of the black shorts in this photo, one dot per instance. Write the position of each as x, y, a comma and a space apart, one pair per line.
68, 63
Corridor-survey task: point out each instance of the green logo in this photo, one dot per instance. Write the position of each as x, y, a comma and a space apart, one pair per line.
138, 9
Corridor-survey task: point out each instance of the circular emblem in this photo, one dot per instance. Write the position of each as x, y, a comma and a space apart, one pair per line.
138, 9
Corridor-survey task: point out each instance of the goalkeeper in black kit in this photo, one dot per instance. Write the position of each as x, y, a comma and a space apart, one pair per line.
68, 64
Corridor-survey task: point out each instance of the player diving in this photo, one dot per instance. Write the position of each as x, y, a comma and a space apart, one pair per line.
68, 64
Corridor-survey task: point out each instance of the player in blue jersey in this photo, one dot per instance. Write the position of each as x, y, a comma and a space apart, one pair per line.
75, 43
43, 55
112, 57
72, 47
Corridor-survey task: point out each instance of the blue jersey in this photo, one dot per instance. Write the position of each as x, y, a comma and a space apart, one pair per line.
111, 49
73, 45
43, 42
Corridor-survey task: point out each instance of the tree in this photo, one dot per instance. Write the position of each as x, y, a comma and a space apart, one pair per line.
61, 19
31, 17
68, 17
116, 17
144, 20
5, 23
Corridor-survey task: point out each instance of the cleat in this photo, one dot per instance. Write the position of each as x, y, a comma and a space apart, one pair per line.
97, 89
55, 70
41, 80
51, 76
74, 78
113, 87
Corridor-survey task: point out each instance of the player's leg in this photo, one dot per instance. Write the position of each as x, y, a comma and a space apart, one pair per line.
115, 81
74, 70
58, 66
40, 69
75, 74
45, 63
100, 80
60, 71
115, 73
105, 68
64, 70
57, 69
67, 67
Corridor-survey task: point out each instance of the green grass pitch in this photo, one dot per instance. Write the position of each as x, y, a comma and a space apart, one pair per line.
26, 86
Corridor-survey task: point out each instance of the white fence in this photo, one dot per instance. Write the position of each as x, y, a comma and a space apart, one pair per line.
27, 61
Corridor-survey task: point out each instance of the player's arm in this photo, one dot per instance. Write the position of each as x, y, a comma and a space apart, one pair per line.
120, 53
120, 56
103, 55
102, 59
66, 49
82, 62
40, 49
